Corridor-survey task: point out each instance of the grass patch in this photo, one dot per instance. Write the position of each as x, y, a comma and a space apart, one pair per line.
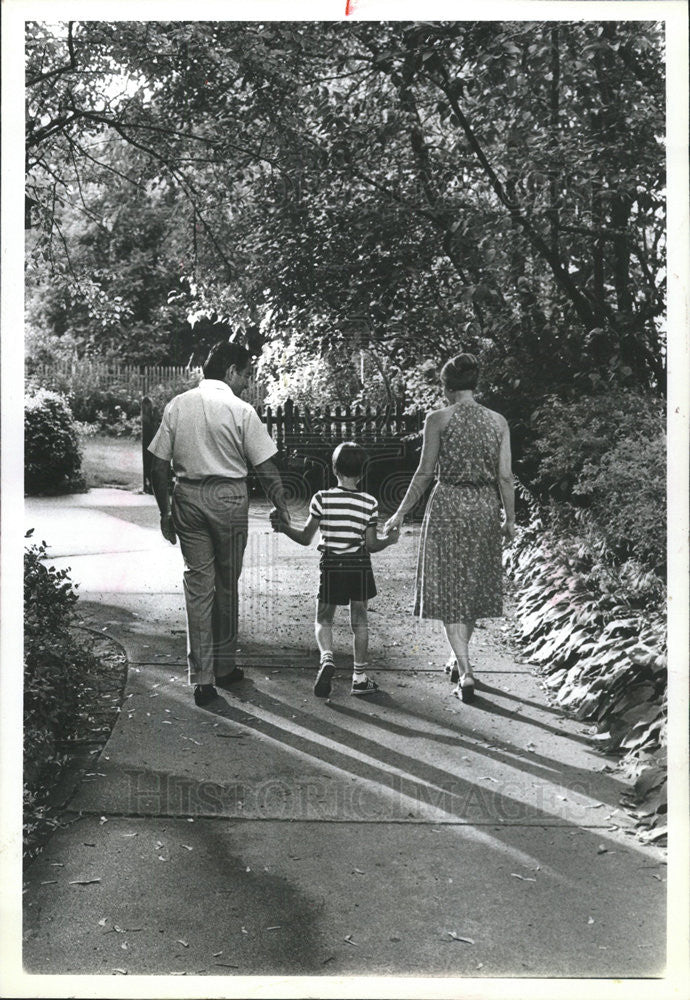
109, 461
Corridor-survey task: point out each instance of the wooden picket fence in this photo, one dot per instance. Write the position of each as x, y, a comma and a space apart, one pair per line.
302, 428
306, 436
140, 380
106, 375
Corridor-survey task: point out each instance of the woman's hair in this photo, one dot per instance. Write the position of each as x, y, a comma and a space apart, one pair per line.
222, 356
349, 459
461, 372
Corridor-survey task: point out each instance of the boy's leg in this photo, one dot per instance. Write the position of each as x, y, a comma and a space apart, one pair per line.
361, 684
323, 626
360, 630
324, 639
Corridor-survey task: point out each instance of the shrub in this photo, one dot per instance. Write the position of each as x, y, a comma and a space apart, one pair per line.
572, 437
608, 453
54, 662
52, 457
627, 492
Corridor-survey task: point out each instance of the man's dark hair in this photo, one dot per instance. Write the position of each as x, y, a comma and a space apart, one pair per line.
349, 459
221, 356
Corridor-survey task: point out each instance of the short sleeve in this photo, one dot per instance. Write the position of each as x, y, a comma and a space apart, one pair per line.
258, 443
374, 515
162, 444
316, 507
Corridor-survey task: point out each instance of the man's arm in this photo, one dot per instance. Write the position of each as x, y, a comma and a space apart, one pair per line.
303, 535
160, 471
272, 485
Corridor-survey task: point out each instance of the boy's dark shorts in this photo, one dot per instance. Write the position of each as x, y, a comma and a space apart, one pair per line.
346, 578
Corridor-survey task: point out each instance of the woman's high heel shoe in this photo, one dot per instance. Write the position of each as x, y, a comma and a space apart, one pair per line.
465, 689
453, 669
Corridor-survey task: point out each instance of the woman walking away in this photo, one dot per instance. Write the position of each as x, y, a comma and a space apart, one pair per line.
459, 566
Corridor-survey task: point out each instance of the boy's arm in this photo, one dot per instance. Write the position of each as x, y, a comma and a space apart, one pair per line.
303, 535
376, 544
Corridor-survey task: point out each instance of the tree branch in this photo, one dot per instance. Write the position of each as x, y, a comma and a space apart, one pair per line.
61, 69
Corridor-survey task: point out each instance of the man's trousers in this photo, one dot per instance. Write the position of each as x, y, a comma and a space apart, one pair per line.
211, 520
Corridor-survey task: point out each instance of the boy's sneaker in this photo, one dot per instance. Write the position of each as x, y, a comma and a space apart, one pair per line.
364, 687
322, 684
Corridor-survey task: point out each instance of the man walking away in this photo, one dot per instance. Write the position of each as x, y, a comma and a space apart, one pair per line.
211, 436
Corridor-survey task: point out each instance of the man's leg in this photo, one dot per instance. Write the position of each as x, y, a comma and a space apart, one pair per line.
199, 582
227, 509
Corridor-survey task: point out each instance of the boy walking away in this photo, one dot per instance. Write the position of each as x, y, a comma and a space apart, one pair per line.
346, 518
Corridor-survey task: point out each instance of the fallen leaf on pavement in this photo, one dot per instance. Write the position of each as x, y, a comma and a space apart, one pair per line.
457, 937
85, 881
348, 938
523, 878
185, 944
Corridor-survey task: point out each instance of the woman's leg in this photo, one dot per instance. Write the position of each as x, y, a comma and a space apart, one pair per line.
459, 635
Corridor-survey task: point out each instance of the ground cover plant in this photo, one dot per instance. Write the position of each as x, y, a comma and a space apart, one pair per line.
73, 683
596, 630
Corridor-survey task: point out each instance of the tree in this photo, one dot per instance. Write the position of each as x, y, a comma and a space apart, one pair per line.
408, 188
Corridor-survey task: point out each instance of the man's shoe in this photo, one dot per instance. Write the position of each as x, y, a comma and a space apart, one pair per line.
227, 680
322, 684
203, 694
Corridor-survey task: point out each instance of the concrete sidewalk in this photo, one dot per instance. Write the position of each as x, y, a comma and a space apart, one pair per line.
276, 834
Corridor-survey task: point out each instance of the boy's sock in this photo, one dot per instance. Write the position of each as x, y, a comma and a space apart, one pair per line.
327, 655
359, 672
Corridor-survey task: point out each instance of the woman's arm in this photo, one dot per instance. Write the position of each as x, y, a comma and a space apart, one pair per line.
376, 544
505, 484
424, 474
303, 535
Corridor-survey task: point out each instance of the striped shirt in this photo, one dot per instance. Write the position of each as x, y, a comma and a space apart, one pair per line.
344, 516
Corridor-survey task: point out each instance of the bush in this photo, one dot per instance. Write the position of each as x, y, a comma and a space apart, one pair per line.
572, 437
54, 662
52, 457
607, 453
91, 401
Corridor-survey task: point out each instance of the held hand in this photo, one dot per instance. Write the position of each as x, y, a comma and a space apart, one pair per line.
279, 519
167, 529
508, 530
393, 523
392, 535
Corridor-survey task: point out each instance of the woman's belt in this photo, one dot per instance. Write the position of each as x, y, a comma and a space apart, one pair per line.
466, 482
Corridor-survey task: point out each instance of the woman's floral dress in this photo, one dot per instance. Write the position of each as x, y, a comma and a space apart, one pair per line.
459, 568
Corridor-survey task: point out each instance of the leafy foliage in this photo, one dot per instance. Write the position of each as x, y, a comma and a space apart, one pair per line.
52, 459
607, 452
421, 187
596, 629
54, 662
